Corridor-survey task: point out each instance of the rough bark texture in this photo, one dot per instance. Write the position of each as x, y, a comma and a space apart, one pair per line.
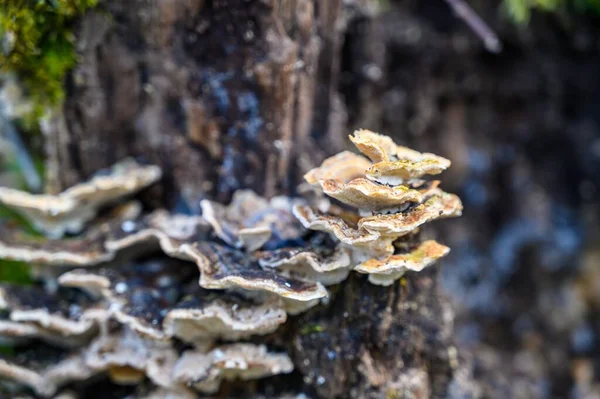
210, 90
226, 94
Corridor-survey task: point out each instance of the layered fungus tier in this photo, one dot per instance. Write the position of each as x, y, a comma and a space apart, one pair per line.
175, 304
384, 200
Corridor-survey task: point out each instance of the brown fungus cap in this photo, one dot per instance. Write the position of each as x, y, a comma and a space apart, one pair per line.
362, 193
375, 146
387, 270
392, 204
14, 333
318, 259
441, 205
196, 319
173, 233
251, 221
43, 368
67, 312
162, 299
67, 212
205, 371
395, 164
105, 242
225, 267
87, 250
343, 167
343, 226
342, 177
372, 236
128, 358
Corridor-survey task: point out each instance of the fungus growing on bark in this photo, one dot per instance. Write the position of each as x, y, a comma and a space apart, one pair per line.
67, 313
342, 177
224, 267
391, 200
394, 164
385, 271
205, 371
162, 299
250, 220
150, 287
174, 234
129, 358
319, 259
69, 211
43, 368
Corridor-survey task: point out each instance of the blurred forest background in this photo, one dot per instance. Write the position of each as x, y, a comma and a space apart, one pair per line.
86, 82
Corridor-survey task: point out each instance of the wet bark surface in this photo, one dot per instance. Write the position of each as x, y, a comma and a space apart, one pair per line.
231, 94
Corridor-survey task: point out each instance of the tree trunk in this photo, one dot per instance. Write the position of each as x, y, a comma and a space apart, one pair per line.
219, 93
229, 94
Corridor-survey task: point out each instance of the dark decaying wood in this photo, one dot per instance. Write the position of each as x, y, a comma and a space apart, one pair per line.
230, 94
220, 93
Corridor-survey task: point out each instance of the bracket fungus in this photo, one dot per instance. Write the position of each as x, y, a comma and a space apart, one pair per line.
392, 202
44, 368
250, 221
394, 164
69, 211
162, 299
205, 371
65, 313
165, 301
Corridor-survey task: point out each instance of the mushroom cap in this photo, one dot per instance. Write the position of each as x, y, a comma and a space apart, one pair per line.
162, 299
395, 164
85, 251
88, 249
55, 215
224, 267
440, 205
205, 371
195, 319
342, 225
123, 238
67, 312
318, 259
43, 368
387, 270
342, 177
398, 172
251, 221
343, 167
129, 357
175, 234
375, 146
363, 193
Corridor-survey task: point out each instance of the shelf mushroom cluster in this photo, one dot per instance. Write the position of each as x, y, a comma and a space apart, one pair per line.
169, 302
152, 299
392, 200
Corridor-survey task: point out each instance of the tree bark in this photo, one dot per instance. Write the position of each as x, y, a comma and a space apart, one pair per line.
210, 90
230, 94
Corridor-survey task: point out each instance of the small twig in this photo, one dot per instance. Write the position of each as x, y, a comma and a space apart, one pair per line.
478, 25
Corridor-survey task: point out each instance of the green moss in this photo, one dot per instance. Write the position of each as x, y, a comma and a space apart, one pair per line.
520, 10
15, 272
38, 45
311, 329
11, 271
